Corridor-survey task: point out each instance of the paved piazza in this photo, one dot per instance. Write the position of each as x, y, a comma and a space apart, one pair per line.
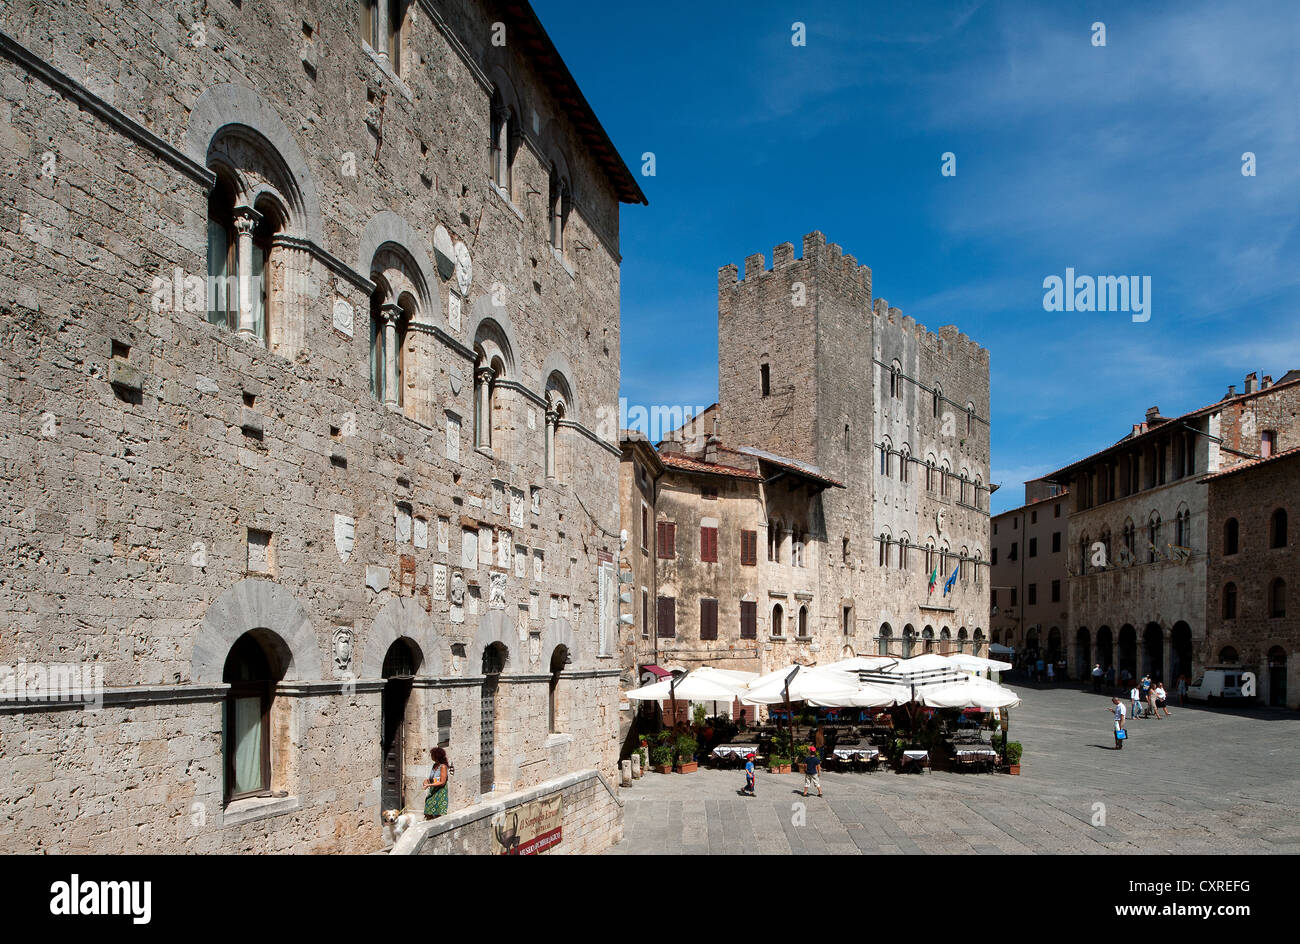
1202, 781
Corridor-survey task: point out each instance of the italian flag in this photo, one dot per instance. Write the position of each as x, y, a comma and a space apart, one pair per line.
934, 577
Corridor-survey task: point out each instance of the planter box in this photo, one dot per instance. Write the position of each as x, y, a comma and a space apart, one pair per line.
1013, 769
778, 768
663, 768
688, 768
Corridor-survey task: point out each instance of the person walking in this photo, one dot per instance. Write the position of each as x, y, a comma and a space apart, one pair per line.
811, 766
1051, 673
435, 804
1097, 677
1151, 704
750, 776
1135, 697
1121, 734
1162, 699
1182, 690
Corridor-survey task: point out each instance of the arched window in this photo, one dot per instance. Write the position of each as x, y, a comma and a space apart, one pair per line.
389, 321
1183, 528
902, 550
904, 460
1277, 598
239, 244
803, 622
896, 381
1230, 601
886, 450
1228, 655
943, 478
909, 640
961, 639
251, 673
978, 641
558, 209
936, 398
777, 615
970, 418
223, 284
1277, 529
555, 714
494, 362
882, 640
774, 542
979, 559
505, 144
1230, 536
884, 548
927, 639
1129, 553
559, 400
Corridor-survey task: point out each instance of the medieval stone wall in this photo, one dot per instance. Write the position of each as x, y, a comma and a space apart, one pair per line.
160, 473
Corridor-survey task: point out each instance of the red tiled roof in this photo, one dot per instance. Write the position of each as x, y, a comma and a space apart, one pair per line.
686, 464
790, 465
1252, 464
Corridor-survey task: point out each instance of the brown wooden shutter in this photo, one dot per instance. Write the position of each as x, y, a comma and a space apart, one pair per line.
709, 545
666, 540
667, 617
708, 619
749, 548
748, 619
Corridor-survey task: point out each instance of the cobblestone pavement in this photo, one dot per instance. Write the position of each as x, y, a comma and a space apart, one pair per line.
1202, 781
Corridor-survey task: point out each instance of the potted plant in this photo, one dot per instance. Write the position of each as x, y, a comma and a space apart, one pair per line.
685, 749
1014, 750
778, 764
661, 755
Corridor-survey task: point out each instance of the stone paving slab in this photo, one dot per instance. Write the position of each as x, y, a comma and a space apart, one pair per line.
1201, 781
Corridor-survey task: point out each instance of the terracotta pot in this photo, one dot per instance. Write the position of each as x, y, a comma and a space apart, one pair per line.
1013, 769
778, 769
688, 768
663, 768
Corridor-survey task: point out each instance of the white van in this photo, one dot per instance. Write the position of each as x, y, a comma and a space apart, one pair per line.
1221, 685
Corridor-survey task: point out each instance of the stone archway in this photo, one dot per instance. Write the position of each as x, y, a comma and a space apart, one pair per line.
401, 617
254, 604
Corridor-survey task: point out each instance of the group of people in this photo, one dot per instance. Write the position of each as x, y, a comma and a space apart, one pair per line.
1147, 699
811, 772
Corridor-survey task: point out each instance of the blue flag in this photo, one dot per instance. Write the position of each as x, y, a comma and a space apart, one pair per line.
951, 580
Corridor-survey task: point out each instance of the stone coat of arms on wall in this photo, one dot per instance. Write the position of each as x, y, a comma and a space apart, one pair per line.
497, 592
343, 649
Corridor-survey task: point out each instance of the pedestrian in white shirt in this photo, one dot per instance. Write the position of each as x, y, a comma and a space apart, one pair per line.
1162, 700
1117, 707
1136, 698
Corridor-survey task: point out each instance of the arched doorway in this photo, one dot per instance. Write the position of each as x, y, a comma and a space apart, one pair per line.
1277, 677
401, 662
1180, 651
1031, 643
1105, 655
494, 663
1128, 649
909, 638
927, 639
1228, 656
961, 639
1153, 650
1054, 644
977, 642
556, 708
1083, 653
882, 643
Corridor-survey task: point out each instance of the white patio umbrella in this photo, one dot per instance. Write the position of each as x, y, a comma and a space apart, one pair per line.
860, 663
808, 684
920, 665
972, 693
702, 684
978, 663
869, 695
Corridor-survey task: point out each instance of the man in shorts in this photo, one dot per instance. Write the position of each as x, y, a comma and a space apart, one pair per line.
1117, 708
811, 767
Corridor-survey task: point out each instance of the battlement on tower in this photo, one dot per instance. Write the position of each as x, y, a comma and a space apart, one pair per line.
827, 257
947, 340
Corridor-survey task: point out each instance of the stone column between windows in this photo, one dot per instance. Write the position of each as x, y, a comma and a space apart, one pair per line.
390, 313
482, 422
552, 421
246, 220
381, 28
290, 288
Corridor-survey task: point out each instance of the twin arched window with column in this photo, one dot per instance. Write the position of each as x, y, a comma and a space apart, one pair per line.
558, 207
559, 400
493, 365
254, 276
505, 143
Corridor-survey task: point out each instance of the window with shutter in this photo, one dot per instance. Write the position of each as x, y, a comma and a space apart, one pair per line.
708, 619
749, 548
709, 545
666, 540
748, 619
666, 617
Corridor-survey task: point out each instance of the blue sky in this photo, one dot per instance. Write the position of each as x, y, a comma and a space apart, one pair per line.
1122, 160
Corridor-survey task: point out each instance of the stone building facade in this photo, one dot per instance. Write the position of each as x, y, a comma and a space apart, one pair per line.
1139, 534
853, 444
1251, 615
308, 313
1030, 606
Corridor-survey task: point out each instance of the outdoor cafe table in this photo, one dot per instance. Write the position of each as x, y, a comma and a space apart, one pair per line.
856, 753
916, 758
723, 751
977, 753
